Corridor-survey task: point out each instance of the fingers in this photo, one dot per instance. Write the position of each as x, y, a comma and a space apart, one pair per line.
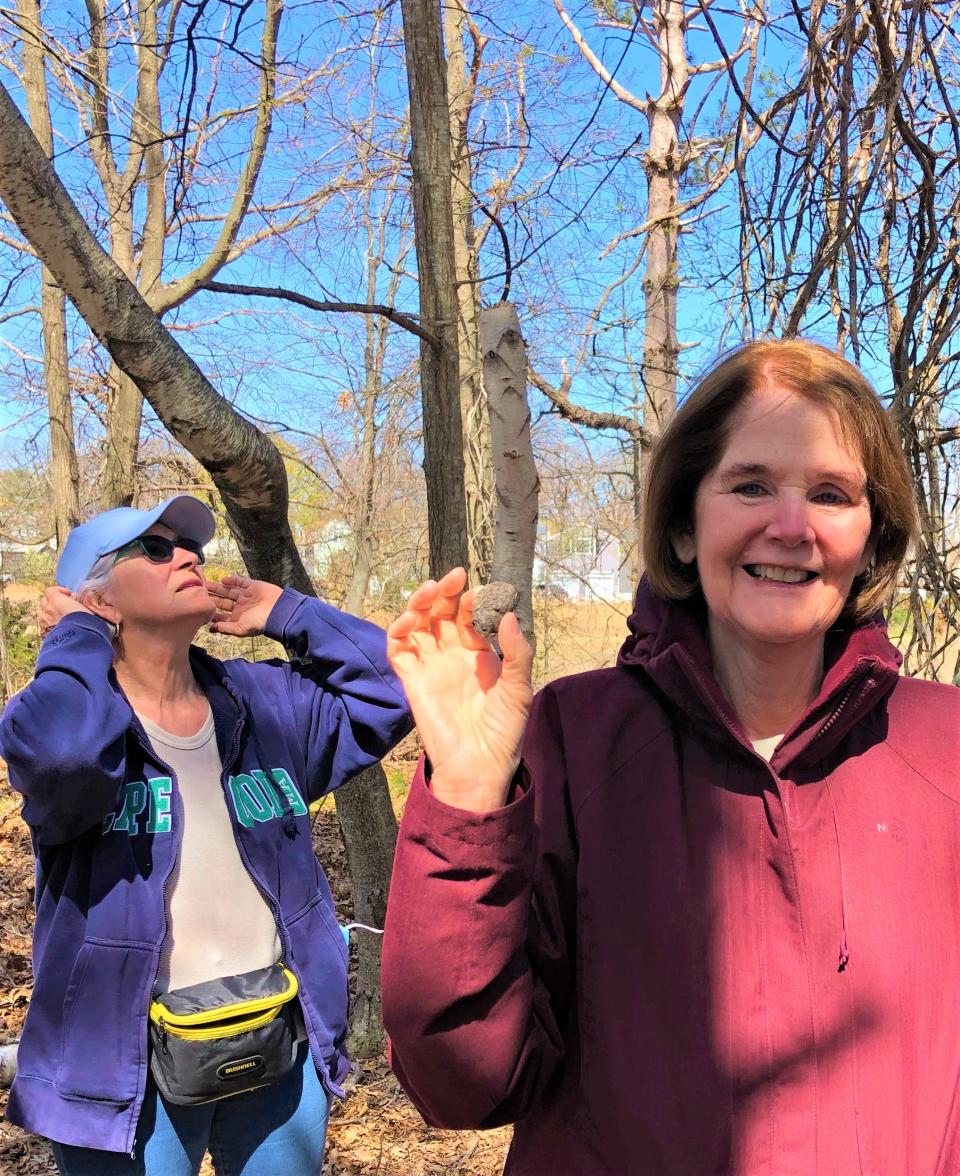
231, 588
221, 592
401, 627
429, 622
517, 652
55, 603
434, 602
437, 597
469, 637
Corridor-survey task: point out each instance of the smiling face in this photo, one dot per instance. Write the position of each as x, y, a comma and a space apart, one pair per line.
142, 593
781, 524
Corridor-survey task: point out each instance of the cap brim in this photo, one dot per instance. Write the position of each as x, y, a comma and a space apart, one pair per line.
186, 515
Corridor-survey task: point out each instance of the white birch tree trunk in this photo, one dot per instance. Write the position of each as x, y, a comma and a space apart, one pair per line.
515, 475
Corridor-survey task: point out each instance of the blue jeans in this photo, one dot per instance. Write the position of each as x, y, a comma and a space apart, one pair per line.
279, 1129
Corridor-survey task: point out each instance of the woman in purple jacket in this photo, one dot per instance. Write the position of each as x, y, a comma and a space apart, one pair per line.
709, 922
166, 794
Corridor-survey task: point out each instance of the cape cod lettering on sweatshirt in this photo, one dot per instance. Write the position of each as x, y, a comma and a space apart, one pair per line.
255, 796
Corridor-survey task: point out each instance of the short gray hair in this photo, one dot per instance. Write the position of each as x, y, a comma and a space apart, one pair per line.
95, 581
98, 576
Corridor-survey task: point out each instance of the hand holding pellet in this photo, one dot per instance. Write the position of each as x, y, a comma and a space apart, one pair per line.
470, 709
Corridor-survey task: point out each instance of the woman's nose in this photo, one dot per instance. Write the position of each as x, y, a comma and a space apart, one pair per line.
185, 558
790, 522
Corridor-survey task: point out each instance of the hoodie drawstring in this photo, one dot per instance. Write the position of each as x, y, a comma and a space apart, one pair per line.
290, 827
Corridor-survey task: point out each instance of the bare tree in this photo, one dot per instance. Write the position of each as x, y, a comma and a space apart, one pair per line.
462, 77
430, 157
673, 146
245, 466
150, 162
64, 471
853, 205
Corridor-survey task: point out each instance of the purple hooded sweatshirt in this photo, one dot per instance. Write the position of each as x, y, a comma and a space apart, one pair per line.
105, 816
667, 955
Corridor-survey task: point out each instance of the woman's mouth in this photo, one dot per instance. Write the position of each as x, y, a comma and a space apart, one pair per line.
779, 575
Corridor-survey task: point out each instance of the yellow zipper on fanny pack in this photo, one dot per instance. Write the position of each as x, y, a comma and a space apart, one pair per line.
215, 1032
205, 1022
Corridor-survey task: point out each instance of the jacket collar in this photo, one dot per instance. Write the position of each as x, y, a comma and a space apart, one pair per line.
668, 643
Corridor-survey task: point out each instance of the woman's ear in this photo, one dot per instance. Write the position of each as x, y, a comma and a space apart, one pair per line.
684, 546
869, 553
97, 603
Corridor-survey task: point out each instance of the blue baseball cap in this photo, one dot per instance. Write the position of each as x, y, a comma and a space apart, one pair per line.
105, 532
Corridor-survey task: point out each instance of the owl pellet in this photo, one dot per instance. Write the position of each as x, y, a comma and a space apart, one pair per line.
490, 603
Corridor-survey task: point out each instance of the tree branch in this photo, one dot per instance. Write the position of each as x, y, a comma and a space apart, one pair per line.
587, 417
176, 292
388, 312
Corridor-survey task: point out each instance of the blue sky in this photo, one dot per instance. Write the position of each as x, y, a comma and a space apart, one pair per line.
581, 184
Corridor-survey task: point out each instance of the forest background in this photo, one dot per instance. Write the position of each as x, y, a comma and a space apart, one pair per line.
295, 236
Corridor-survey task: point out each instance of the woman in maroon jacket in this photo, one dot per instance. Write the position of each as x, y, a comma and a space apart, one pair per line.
710, 922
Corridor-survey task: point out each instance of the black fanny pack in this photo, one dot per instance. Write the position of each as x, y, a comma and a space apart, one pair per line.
224, 1036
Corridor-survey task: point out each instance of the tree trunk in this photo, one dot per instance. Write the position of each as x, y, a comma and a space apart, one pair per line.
433, 229
364, 807
478, 476
663, 164
123, 443
64, 470
65, 476
517, 485
369, 830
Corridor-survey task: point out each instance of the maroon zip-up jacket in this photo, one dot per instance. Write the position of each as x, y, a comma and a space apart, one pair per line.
667, 955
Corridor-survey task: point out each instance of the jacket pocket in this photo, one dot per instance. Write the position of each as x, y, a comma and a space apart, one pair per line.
319, 955
103, 1035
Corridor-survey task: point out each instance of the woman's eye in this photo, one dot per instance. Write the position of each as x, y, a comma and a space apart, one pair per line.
749, 489
832, 497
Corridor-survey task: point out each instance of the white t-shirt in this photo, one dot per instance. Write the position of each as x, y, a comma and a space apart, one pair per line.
766, 747
218, 922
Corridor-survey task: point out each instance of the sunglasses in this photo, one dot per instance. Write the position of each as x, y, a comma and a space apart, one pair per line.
157, 548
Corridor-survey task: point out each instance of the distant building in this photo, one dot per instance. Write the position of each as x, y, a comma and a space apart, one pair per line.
581, 563
14, 554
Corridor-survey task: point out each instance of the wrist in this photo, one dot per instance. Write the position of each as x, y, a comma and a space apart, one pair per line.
472, 795
288, 601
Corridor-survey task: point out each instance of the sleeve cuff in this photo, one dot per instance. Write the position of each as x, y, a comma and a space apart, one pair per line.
287, 604
67, 628
515, 820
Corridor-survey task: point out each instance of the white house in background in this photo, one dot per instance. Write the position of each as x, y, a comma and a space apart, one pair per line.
331, 538
581, 563
13, 553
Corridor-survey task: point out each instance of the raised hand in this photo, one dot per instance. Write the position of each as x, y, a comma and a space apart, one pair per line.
242, 605
470, 709
55, 604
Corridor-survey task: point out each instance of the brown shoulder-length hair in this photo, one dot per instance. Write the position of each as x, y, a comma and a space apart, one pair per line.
694, 441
